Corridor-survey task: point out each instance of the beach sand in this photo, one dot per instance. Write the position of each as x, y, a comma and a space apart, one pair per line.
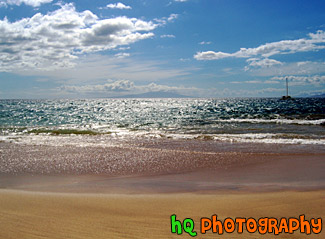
48, 215
71, 192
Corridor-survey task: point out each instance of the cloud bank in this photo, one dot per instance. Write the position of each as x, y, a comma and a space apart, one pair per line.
56, 39
316, 80
33, 3
266, 62
112, 88
314, 42
118, 6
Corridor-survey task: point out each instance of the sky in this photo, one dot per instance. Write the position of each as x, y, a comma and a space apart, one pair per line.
199, 48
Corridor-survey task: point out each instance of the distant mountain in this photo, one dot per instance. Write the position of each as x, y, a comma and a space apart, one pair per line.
317, 96
155, 94
314, 96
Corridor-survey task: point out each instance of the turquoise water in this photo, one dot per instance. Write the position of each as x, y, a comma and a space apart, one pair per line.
243, 120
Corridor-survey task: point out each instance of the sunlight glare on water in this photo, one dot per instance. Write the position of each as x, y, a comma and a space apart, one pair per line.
262, 120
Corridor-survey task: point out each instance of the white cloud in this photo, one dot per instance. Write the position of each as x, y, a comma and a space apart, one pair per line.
33, 3
266, 62
302, 63
253, 82
56, 39
122, 55
118, 6
167, 36
124, 48
152, 87
164, 20
180, 0
205, 43
315, 80
247, 82
271, 82
211, 55
172, 17
117, 86
315, 42
95, 67
295, 68
123, 87
42, 80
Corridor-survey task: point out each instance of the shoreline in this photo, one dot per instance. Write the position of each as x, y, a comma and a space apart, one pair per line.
268, 176
162, 165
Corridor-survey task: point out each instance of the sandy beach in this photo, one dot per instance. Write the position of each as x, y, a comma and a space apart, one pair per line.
48, 215
41, 198
169, 119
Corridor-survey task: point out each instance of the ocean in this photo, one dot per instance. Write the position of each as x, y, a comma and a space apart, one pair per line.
256, 120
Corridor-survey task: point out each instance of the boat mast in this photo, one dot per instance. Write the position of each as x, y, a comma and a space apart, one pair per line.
287, 86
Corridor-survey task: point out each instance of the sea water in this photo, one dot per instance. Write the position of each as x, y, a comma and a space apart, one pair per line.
261, 120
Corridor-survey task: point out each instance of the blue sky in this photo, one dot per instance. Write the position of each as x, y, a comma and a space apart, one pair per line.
200, 48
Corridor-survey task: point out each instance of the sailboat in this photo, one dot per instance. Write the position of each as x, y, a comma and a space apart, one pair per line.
286, 97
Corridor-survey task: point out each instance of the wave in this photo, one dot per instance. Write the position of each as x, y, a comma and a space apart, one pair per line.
64, 132
270, 138
50, 131
90, 138
275, 121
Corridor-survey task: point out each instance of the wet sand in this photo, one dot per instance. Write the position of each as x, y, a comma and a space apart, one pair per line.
130, 191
